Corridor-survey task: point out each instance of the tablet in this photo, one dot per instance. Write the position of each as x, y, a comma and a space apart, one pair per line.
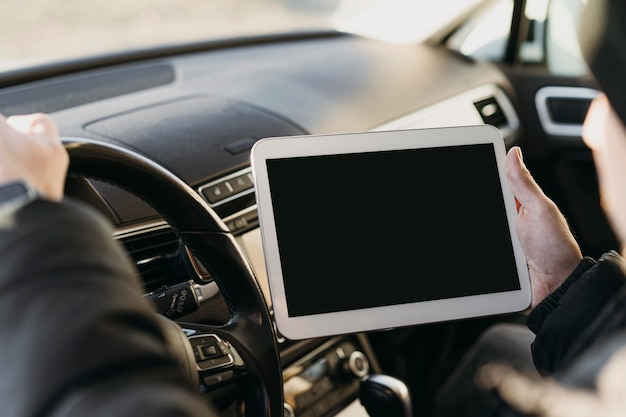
377, 230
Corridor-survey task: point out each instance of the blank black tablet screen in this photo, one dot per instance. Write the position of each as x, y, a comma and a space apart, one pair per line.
384, 228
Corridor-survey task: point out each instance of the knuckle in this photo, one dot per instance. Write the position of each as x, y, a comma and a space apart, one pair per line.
45, 123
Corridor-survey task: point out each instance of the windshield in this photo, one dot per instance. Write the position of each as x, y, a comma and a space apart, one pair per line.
36, 32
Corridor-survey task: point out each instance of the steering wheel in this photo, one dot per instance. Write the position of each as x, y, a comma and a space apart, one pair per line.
249, 330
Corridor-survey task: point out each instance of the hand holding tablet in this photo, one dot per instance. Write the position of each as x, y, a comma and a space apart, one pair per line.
374, 230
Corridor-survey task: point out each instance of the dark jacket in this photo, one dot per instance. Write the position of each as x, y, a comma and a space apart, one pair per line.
76, 337
586, 310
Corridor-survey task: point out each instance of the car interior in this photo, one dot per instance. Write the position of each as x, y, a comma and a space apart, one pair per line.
159, 142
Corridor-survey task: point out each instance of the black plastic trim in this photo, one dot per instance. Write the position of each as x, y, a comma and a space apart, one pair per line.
37, 73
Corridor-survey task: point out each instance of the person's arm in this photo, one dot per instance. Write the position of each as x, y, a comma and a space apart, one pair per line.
77, 337
563, 322
568, 290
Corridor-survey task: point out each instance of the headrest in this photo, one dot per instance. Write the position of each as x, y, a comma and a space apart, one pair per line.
602, 37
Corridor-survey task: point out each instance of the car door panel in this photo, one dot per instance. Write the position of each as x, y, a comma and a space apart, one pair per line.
552, 110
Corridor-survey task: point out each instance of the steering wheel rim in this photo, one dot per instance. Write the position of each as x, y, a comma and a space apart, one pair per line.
250, 329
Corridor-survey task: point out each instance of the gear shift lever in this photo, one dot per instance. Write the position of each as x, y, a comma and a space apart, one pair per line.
385, 396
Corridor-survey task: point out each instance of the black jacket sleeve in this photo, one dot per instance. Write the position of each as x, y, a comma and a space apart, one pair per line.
77, 338
573, 317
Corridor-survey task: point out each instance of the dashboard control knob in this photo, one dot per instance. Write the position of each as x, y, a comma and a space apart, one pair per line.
356, 365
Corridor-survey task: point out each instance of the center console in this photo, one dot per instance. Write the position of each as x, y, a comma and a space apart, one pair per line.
327, 378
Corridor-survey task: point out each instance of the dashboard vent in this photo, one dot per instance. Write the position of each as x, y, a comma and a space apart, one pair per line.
157, 255
491, 112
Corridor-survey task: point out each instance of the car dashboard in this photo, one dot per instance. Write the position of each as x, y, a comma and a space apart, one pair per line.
198, 113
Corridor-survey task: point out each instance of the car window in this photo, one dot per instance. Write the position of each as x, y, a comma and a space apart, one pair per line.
551, 39
37, 32
484, 36
563, 54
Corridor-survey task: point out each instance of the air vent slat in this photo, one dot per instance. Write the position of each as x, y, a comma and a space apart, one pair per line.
157, 255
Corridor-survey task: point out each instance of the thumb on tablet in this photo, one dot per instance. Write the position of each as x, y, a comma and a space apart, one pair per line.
527, 192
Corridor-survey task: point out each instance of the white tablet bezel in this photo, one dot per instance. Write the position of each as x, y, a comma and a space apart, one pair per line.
375, 318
